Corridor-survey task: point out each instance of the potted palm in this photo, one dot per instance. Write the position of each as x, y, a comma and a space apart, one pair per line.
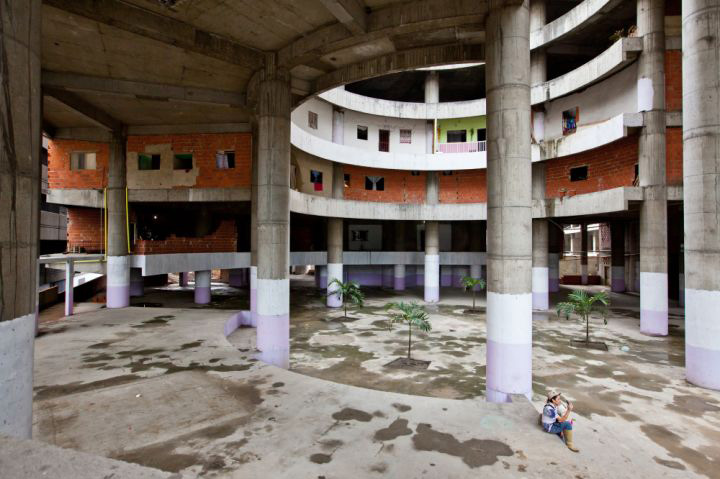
473, 284
410, 314
348, 293
584, 305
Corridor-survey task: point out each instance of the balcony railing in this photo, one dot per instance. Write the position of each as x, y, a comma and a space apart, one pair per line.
468, 147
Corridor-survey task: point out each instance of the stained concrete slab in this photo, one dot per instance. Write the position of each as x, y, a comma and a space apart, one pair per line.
207, 408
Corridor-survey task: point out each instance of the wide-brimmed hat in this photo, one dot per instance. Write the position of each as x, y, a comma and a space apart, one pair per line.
552, 393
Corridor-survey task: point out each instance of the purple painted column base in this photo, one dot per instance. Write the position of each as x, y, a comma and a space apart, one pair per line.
540, 301
653, 323
334, 300
399, 284
273, 339
702, 367
118, 296
432, 294
554, 285
253, 307
202, 294
617, 285
509, 370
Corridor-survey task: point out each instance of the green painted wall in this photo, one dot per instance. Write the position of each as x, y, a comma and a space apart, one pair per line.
475, 123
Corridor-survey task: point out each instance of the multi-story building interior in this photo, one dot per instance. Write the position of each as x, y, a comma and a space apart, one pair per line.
237, 158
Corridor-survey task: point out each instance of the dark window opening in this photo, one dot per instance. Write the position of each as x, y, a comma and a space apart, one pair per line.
225, 160
415, 173
447, 173
312, 120
375, 183
316, 178
362, 132
579, 173
457, 136
346, 178
359, 235
406, 136
481, 135
384, 140
569, 121
183, 161
148, 161
82, 160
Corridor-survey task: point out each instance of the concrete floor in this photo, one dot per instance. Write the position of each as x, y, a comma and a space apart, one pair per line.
163, 388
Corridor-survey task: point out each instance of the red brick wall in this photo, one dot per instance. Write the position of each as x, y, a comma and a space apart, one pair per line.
224, 239
609, 166
673, 80
468, 186
673, 156
61, 176
85, 229
204, 147
400, 186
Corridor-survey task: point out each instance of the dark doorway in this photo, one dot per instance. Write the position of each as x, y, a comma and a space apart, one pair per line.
384, 142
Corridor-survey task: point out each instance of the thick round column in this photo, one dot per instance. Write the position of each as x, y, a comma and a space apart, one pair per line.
617, 259
118, 262
273, 214
334, 258
399, 269
202, 286
583, 254
338, 126
701, 192
432, 262
20, 143
137, 283
432, 87
540, 270
651, 166
538, 66
509, 236
69, 287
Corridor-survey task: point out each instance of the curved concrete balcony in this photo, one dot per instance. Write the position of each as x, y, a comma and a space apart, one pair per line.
400, 109
377, 159
582, 15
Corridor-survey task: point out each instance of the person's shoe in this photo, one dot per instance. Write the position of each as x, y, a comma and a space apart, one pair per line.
569, 441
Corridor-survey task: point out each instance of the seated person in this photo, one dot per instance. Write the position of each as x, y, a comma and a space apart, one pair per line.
556, 423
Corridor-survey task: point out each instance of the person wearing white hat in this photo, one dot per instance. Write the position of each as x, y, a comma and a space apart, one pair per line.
556, 423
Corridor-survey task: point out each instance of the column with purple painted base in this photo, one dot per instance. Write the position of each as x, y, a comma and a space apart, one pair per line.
617, 257
701, 192
583, 254
118, 261
334, 258
202, 286
540, 271
509, 235
399, 269
432, 262
273, 213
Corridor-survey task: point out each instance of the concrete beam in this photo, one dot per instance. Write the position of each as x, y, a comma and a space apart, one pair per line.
161, 28
88, 110
139, 89
350, 13
102, 135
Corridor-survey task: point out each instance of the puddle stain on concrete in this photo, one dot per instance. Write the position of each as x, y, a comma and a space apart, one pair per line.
672, 443
396, 429
350, 414
55, 391
473, 452
670, 464
320, 458
401, 407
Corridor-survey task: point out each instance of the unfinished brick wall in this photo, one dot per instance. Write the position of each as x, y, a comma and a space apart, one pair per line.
400, 186
61, 176
609, 166
467, 186
673, 156
223, 239
673, 80
85, 229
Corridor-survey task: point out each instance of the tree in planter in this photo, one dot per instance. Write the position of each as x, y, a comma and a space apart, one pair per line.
411, 314
348, 292
582, 304
471, 284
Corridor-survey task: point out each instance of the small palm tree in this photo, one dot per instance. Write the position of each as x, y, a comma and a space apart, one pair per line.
411, 314
472, 284
348, 292
582, 304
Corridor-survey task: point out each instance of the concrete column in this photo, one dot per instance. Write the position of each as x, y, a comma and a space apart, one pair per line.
273, 214
701, 177
334, 258
651, 161
253, 273
538, 66
432, 87
338, 183
183, 280
617, 258
583, 254
202, 286
509, 297
432, 188
432, 262
338, 127
430, 137
20, 143
69, 287
399, 269
118, 261
540, 244
137, 284
556, 240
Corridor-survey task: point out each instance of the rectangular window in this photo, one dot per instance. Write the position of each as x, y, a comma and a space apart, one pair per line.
384, 140
147, 161
457, 136
224, 160
579, 173
406, 136
415, 173
183, 161
447, 173
347, 180
375, 183
316, 178
312, 120
359, 235
83, 160
569, 120
362, 132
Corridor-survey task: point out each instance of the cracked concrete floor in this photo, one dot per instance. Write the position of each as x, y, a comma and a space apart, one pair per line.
162, 387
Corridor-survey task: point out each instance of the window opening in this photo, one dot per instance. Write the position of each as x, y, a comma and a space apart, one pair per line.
148, 161
457, 136
83, 160
312, 120
224, 160
406, 136
183, 161
384, 140
375, 183
569, 120
579, 173
316, 178
362, 132
414, 173
346, 178
447, 173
